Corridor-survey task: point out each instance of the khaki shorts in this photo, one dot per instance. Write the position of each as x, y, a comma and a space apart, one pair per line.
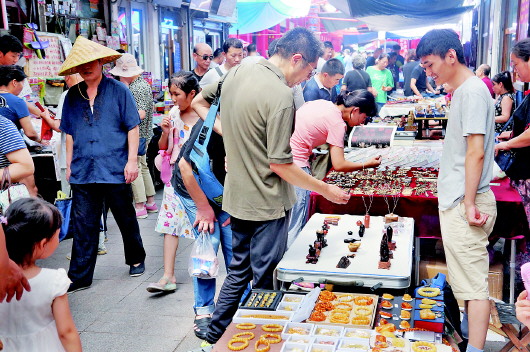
465, 248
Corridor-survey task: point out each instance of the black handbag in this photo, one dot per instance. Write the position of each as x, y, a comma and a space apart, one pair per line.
505, 158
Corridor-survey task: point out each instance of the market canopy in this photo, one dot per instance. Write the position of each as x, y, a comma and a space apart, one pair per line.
257, 15
390, 15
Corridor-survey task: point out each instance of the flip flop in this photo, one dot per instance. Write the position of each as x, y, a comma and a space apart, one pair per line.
201, 327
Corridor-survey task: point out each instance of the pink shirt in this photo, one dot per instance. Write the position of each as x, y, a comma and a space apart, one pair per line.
489, 84
316, 122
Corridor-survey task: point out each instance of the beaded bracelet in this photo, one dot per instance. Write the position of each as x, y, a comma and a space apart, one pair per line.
242, 335
246, 326
262, 349
272, 327
271, 338
237, 348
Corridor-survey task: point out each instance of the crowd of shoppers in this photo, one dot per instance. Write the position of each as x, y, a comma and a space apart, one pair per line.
107, 125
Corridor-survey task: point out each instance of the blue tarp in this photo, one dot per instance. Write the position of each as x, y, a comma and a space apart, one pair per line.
256, 15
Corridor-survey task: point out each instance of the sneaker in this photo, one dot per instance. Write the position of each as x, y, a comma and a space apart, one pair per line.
137, 270
102, 250
151, 208
141, 213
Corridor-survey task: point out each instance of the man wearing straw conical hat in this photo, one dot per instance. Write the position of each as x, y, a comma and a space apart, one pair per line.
100, 120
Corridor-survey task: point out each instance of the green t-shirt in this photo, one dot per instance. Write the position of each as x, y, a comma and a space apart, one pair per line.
379, 79
257, 118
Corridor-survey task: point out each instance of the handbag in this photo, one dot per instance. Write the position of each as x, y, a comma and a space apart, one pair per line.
10, 192
505, 158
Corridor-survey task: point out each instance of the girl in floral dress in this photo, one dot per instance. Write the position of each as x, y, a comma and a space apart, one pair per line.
172, 219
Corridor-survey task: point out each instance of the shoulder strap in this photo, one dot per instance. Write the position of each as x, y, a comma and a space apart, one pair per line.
364, 81
219, 72
206, 130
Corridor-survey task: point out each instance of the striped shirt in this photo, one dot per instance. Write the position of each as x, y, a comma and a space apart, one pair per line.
10, 140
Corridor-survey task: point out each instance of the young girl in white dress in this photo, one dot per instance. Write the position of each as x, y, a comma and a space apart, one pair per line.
41, 321
173, 221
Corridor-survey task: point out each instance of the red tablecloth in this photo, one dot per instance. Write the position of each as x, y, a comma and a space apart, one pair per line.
511, 218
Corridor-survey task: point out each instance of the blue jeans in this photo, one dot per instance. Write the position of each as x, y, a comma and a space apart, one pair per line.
204, 289
299, 211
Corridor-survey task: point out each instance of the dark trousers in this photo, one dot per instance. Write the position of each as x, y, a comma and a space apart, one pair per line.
87, 206
258, 246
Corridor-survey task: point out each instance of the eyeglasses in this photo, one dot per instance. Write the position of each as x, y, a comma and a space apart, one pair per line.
313, 69
207, 57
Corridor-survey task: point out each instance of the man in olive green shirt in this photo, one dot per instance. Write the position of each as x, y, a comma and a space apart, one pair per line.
257, 113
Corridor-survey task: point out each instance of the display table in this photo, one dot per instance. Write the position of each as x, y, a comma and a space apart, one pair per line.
424, 210
363, 267
396, 109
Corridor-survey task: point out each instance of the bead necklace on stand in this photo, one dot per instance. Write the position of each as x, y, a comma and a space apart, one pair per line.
367, 209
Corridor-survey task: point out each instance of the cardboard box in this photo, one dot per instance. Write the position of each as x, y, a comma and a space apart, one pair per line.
429, 268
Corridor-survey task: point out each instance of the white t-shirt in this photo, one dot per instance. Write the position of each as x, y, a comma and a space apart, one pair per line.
212, 76
472, 112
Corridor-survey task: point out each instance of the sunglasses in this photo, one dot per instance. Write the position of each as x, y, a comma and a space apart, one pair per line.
207, 57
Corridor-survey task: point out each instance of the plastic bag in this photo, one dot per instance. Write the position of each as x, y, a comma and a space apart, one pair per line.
203, 260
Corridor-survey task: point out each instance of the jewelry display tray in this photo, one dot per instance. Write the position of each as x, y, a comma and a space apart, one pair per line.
250, 302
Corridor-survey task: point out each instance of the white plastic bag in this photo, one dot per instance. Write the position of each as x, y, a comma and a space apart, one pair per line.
203, 260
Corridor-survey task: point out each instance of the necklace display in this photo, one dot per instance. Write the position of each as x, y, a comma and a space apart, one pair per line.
387, 181
367, 215
391, 217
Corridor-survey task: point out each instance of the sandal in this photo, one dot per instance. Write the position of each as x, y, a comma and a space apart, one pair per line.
160, 286
201, 327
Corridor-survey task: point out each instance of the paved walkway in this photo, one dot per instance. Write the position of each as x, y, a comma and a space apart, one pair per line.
118, 314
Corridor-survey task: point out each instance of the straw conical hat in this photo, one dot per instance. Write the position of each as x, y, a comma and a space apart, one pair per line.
84, 51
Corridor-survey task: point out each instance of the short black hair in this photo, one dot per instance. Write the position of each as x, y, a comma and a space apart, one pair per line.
328, 44
29, 221
232, 43
251, 48
396, 47
10, 43
299, 40
333, 67
486, 69
392, 55
217, 52
11, 72
439, 42
360, 98
521, 49
382, 56
121, 51
505, 78
186, 81
271, 50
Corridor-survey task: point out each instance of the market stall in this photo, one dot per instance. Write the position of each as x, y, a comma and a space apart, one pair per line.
406, 185
323, 320
422, 111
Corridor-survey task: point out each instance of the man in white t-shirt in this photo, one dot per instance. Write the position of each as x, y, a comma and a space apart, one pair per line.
233, 53
467, 206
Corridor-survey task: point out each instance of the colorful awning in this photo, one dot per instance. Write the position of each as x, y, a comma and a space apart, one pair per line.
256, 15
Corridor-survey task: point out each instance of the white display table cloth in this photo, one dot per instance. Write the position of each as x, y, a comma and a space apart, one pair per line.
363, 267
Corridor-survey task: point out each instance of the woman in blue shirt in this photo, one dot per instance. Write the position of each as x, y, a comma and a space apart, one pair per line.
11, 106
